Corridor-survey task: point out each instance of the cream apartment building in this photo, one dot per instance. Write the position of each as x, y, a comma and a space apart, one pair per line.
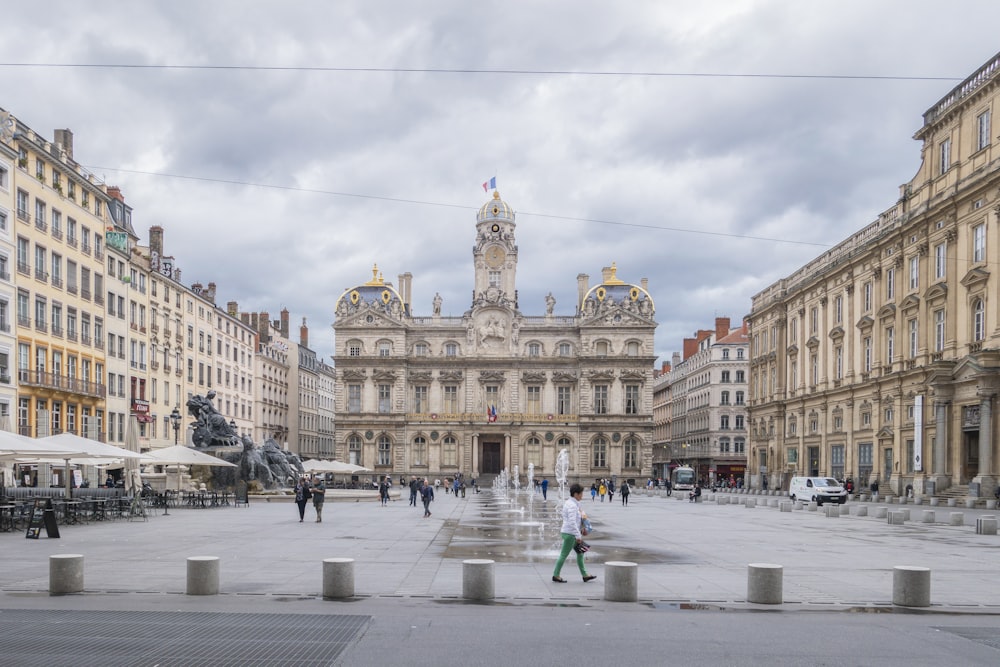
8, 293
881, 358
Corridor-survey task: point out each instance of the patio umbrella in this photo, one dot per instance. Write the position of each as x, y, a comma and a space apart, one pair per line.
133, 480
88, 448
185, 456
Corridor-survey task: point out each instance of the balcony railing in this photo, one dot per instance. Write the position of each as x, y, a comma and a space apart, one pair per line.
61, 383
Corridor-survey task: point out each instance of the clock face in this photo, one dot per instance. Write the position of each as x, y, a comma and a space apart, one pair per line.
495, 256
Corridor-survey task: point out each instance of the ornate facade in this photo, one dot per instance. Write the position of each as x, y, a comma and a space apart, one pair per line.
881, 358
494, 388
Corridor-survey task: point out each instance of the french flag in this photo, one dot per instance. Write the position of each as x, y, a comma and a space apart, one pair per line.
491, 413
490, 184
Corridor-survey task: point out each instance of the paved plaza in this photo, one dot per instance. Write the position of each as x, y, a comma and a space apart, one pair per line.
690, 557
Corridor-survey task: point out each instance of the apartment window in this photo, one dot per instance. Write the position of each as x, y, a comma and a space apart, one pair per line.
632, 349
940, 260
354, 449
600, 453
40, 170
385, 398
725, 376
725, 354
740, 400
602, 349
600, 399
724, 422
867, 346
533, 403
451, 350
915, 272
978, 321
420, 405
982, 130
944, 156
888, 416
632, 399
867, 298
939, 330
724, 399
451, 398
913, 336
890, 284
979, 243
741, 376
739, 354
564, 400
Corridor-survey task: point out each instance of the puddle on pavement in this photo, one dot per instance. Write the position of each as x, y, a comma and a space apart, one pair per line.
524, 529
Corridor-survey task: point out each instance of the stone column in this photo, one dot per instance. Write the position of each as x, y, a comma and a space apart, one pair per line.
984, 482
938, 479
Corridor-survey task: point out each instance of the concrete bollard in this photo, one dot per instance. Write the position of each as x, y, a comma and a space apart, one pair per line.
862, 497
764, 583
751, 503
986, 525
991, 504
911, 586
957, 519
203, 575
813, 506
970, 503
832, 511
799, 505
928, 516
935, 502
477, 579
880, 512
621, 581
896, 518
65, 574
919, 500
845, 510
786, 506
863, 510
338, 578
906, 514
951, 502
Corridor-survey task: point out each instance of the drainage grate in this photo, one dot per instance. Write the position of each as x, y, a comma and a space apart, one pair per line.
99, 638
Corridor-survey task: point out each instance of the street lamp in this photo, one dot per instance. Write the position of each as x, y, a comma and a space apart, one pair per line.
175, 421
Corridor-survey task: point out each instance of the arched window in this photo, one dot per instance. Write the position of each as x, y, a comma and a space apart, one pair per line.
533, 450
632, 349
631, 453
354, 450
419, 451
384, 450
534, 349
450, 452
600, 453
978, 321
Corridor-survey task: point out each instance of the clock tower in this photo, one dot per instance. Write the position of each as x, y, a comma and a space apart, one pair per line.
495, 255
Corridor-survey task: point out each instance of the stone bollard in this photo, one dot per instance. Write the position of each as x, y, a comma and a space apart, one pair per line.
799, 505
832, 511
880, 512
338, 578
751, 503
911, 586
863, 510
935, 502
845, 510
862, 498
928, 516
477, 579
896, 518
991, 504
951, 502
906, 514
986, 525
203, 575
764, 583
65, 574
970, 503
786, 506
957, 519
813, 506
621, 581
919, 500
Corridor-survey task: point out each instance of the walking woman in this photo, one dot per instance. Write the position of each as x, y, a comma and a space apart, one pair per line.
302, 496
571, 535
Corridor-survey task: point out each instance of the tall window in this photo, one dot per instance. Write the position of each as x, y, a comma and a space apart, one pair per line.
384, 450
978, 321
837, 461
724, 398
419, 452
449, 452
384, 398
890, 284
915, 272
890, 344
632, 399
813, 320
533, 451
451, 398
914, 337
838, 309
814, 368
451, 350
354, 449
725, 377
940, 260
838, 363
631, 453
724, 423
420, 399
982, 130
944, 156
867, 304
979, 243
600, 453
533, 402
867, 346
939, 330
600, 399
563, 400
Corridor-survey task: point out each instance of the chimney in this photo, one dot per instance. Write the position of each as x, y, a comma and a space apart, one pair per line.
690, 347
665, 368
65, 139
405, 287
304, 334
232, 307
210, 293
156, 241
721, 328
675, 359
177, 276
582, 279
644, 283
284, 323
115, 192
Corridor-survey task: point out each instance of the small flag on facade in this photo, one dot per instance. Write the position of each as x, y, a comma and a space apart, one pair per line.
490, 184
491, 414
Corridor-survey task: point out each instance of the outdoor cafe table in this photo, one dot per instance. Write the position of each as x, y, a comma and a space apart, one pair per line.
7, 517
71, 511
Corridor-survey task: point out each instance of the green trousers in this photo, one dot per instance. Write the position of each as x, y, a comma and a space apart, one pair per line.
569, 541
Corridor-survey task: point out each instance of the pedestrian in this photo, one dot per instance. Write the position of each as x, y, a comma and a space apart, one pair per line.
302, 495
602, 490
545, 488
624, 491
454, 487
462, 488
383, 491
427, 496
318, 491
414, 486
874, 490
593, 492
611, 491
571, 535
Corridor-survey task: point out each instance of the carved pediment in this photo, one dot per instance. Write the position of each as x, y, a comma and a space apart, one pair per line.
885, 432
450, 375
887, 311
936, 291
492, 376
812, 343
420, 376
910, 302
384, 375
532, 376
353, 374
601, 375
632, 374
975, 278
792, 350
564, 377
836, 333
865, 322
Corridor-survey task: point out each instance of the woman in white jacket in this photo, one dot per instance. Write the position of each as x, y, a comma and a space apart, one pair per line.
571, 536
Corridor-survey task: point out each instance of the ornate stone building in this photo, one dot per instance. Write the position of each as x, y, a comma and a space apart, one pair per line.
495, 388
881, 358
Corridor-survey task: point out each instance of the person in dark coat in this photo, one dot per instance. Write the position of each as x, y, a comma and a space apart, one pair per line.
302, 496
427, 496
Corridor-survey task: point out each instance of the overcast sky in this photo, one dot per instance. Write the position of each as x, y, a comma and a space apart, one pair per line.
286, 175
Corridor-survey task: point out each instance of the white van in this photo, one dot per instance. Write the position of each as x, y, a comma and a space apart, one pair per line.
817, 489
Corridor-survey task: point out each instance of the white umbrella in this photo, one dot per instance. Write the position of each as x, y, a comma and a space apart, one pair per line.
133, 480
90, 448
186, 456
